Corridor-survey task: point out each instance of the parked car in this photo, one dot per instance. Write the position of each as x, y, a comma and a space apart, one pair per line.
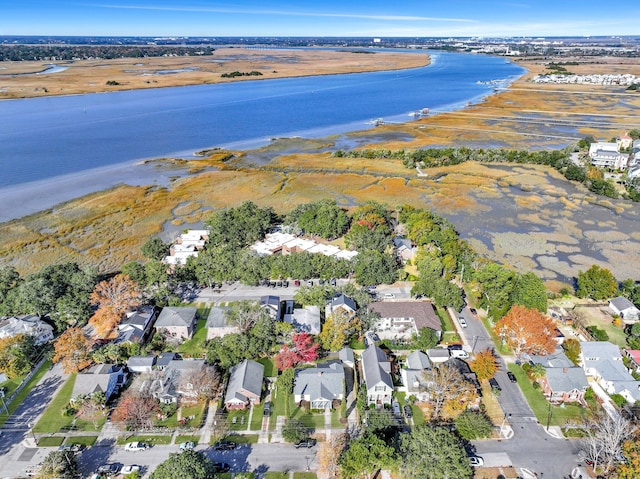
495, 386
136, 446
187, 445
476, 461
110, 469
396, 408
462, 321
512, 377
225, 446
473, 311
309, 442
296, 282
285, 284
221, 467
389, 296
407, 411
267, 408
126, 470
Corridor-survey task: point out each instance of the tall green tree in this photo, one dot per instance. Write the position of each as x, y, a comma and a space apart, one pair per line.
372, 267
366, 455
529, 291
323, 218
473, 425
188, 464
597, 283
59, 465
155, 248
433, 453
241, 226
495, 286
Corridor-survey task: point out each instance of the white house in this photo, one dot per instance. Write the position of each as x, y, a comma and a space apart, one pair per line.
625, 309
413, 381
305, 320
29, 325
186, 245
607, 155
376, 370
602, 361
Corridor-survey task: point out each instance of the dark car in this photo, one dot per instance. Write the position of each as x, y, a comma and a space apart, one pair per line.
407, 411
454, 347
71, 447
267, 408
494, 385
109, 469
473, 311
225, 446
221, 467
512, 377
306, 443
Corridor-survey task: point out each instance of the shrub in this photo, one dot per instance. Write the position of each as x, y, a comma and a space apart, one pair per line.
597, 333
473, 425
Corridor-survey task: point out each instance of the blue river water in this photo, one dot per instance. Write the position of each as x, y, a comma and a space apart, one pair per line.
43, 138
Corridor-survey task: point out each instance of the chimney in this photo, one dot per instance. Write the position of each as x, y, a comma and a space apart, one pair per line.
565, 370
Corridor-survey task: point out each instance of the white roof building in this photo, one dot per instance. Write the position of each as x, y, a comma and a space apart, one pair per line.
286, 243
28, 325
607, 155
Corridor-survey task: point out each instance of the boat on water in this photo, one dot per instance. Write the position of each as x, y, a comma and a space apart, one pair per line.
419, 113
376, 122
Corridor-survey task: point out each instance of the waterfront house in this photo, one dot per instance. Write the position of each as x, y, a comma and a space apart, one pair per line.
404, 319
625, 309
29, 325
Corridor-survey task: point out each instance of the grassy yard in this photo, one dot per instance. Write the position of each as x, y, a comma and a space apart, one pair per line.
185, 438
84, 440
559, 416
445, 320
196, 410
149, 439
241, 438
304, 475
418, 415
269, 367
170, 421
238, 419
278, 407
53, 420
256, 418
194, 347
50, 441
276, 475
25, 391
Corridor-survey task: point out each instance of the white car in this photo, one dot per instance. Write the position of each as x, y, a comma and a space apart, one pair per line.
476, 461
462, 321
126, 470
136, 446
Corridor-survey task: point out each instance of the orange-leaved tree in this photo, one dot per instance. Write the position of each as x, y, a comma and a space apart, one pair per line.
113, 297
73, 350
527, 331
484, 365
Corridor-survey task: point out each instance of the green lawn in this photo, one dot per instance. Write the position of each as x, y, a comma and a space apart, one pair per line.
11, 384
276, 475
241, 438
196, 410
238, 419
185, 438
540, 406
304, 475
25, 391
278, 407
84, 440
195, 347
53, 420
149, 439
171, 421
311, 419
269, 367
50, 441
445, 320
418, 415
256, 418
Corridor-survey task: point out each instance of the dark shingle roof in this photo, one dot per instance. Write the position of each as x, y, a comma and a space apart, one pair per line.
176, 316
422, 312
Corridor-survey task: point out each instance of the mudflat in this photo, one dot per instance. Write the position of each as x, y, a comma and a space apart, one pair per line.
30, 79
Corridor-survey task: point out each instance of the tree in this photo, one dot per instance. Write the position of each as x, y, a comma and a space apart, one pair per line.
495, 285
630, 469
187, 464
426, 338
572, 349
371, 267
18, 355
105, 323
337, 329
447, 388
155, 248
329, 455
205, 381
484, 365
119, 294
136, 411
73, 350
323, 218
527, 331
473, 425
597, 283
365, 455
90, 408
529, 291
241, 226
59, 465
603, 438
433, 453
294, 431
245, 314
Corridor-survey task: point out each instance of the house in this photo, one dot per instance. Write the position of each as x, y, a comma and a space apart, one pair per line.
278, 242
438, 355
403, 319
186, 245
164, 359
173, 382
602, 361
177, 322
412, 375
245, 385
376, 372
563, 380
218, 324
624, 141
271, 304
341, 304
305, 320
464, 369
607, 155
404, 249
30, 325
346, 356
137, 325
625, 309
101, 378
141, 364
320, 386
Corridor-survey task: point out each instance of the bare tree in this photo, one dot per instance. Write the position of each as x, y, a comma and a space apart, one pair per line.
603, 439
245, 314
204, 382
447, 387
329, 455
220, 426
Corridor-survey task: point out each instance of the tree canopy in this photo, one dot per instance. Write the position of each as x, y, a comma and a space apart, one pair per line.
527, 331
73, 350
323, 218
241, 226
187, 464
596, 283
59, 465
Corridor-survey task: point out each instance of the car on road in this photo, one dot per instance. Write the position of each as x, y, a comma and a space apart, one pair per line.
225, 446
187, 445
109, 469
473, 311
512, 377
389, 296
407, 411
136, 446
306, 443
221, 467
126, 470
462, 321
495, 387
476, 461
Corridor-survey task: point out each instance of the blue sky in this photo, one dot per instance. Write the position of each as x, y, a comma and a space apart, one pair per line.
375, 18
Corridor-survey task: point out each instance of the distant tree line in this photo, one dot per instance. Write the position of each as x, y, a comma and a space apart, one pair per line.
252, 73
86, 52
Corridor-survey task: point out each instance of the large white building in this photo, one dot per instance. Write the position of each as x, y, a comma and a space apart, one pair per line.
28, 325
607, 155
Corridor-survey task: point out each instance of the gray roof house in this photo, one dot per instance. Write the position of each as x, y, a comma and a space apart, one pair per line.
413, 382
321, 385
218, 325
104, 378
245, 385
172, 382
347, 357
403, 319
271, 304
438, 355
625, 309
141, 364
602, 360
376, 371
177, 321
564, 382
341, 303
30, 324
165, 358
305, 320
136, 327
557, 359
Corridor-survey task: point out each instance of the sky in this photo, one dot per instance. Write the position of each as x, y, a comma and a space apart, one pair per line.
342, 18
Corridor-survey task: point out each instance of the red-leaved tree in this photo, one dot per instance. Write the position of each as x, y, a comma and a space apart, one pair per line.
527, 331
302, 350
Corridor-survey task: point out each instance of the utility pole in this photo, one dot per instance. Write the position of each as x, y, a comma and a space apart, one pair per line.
4, 404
